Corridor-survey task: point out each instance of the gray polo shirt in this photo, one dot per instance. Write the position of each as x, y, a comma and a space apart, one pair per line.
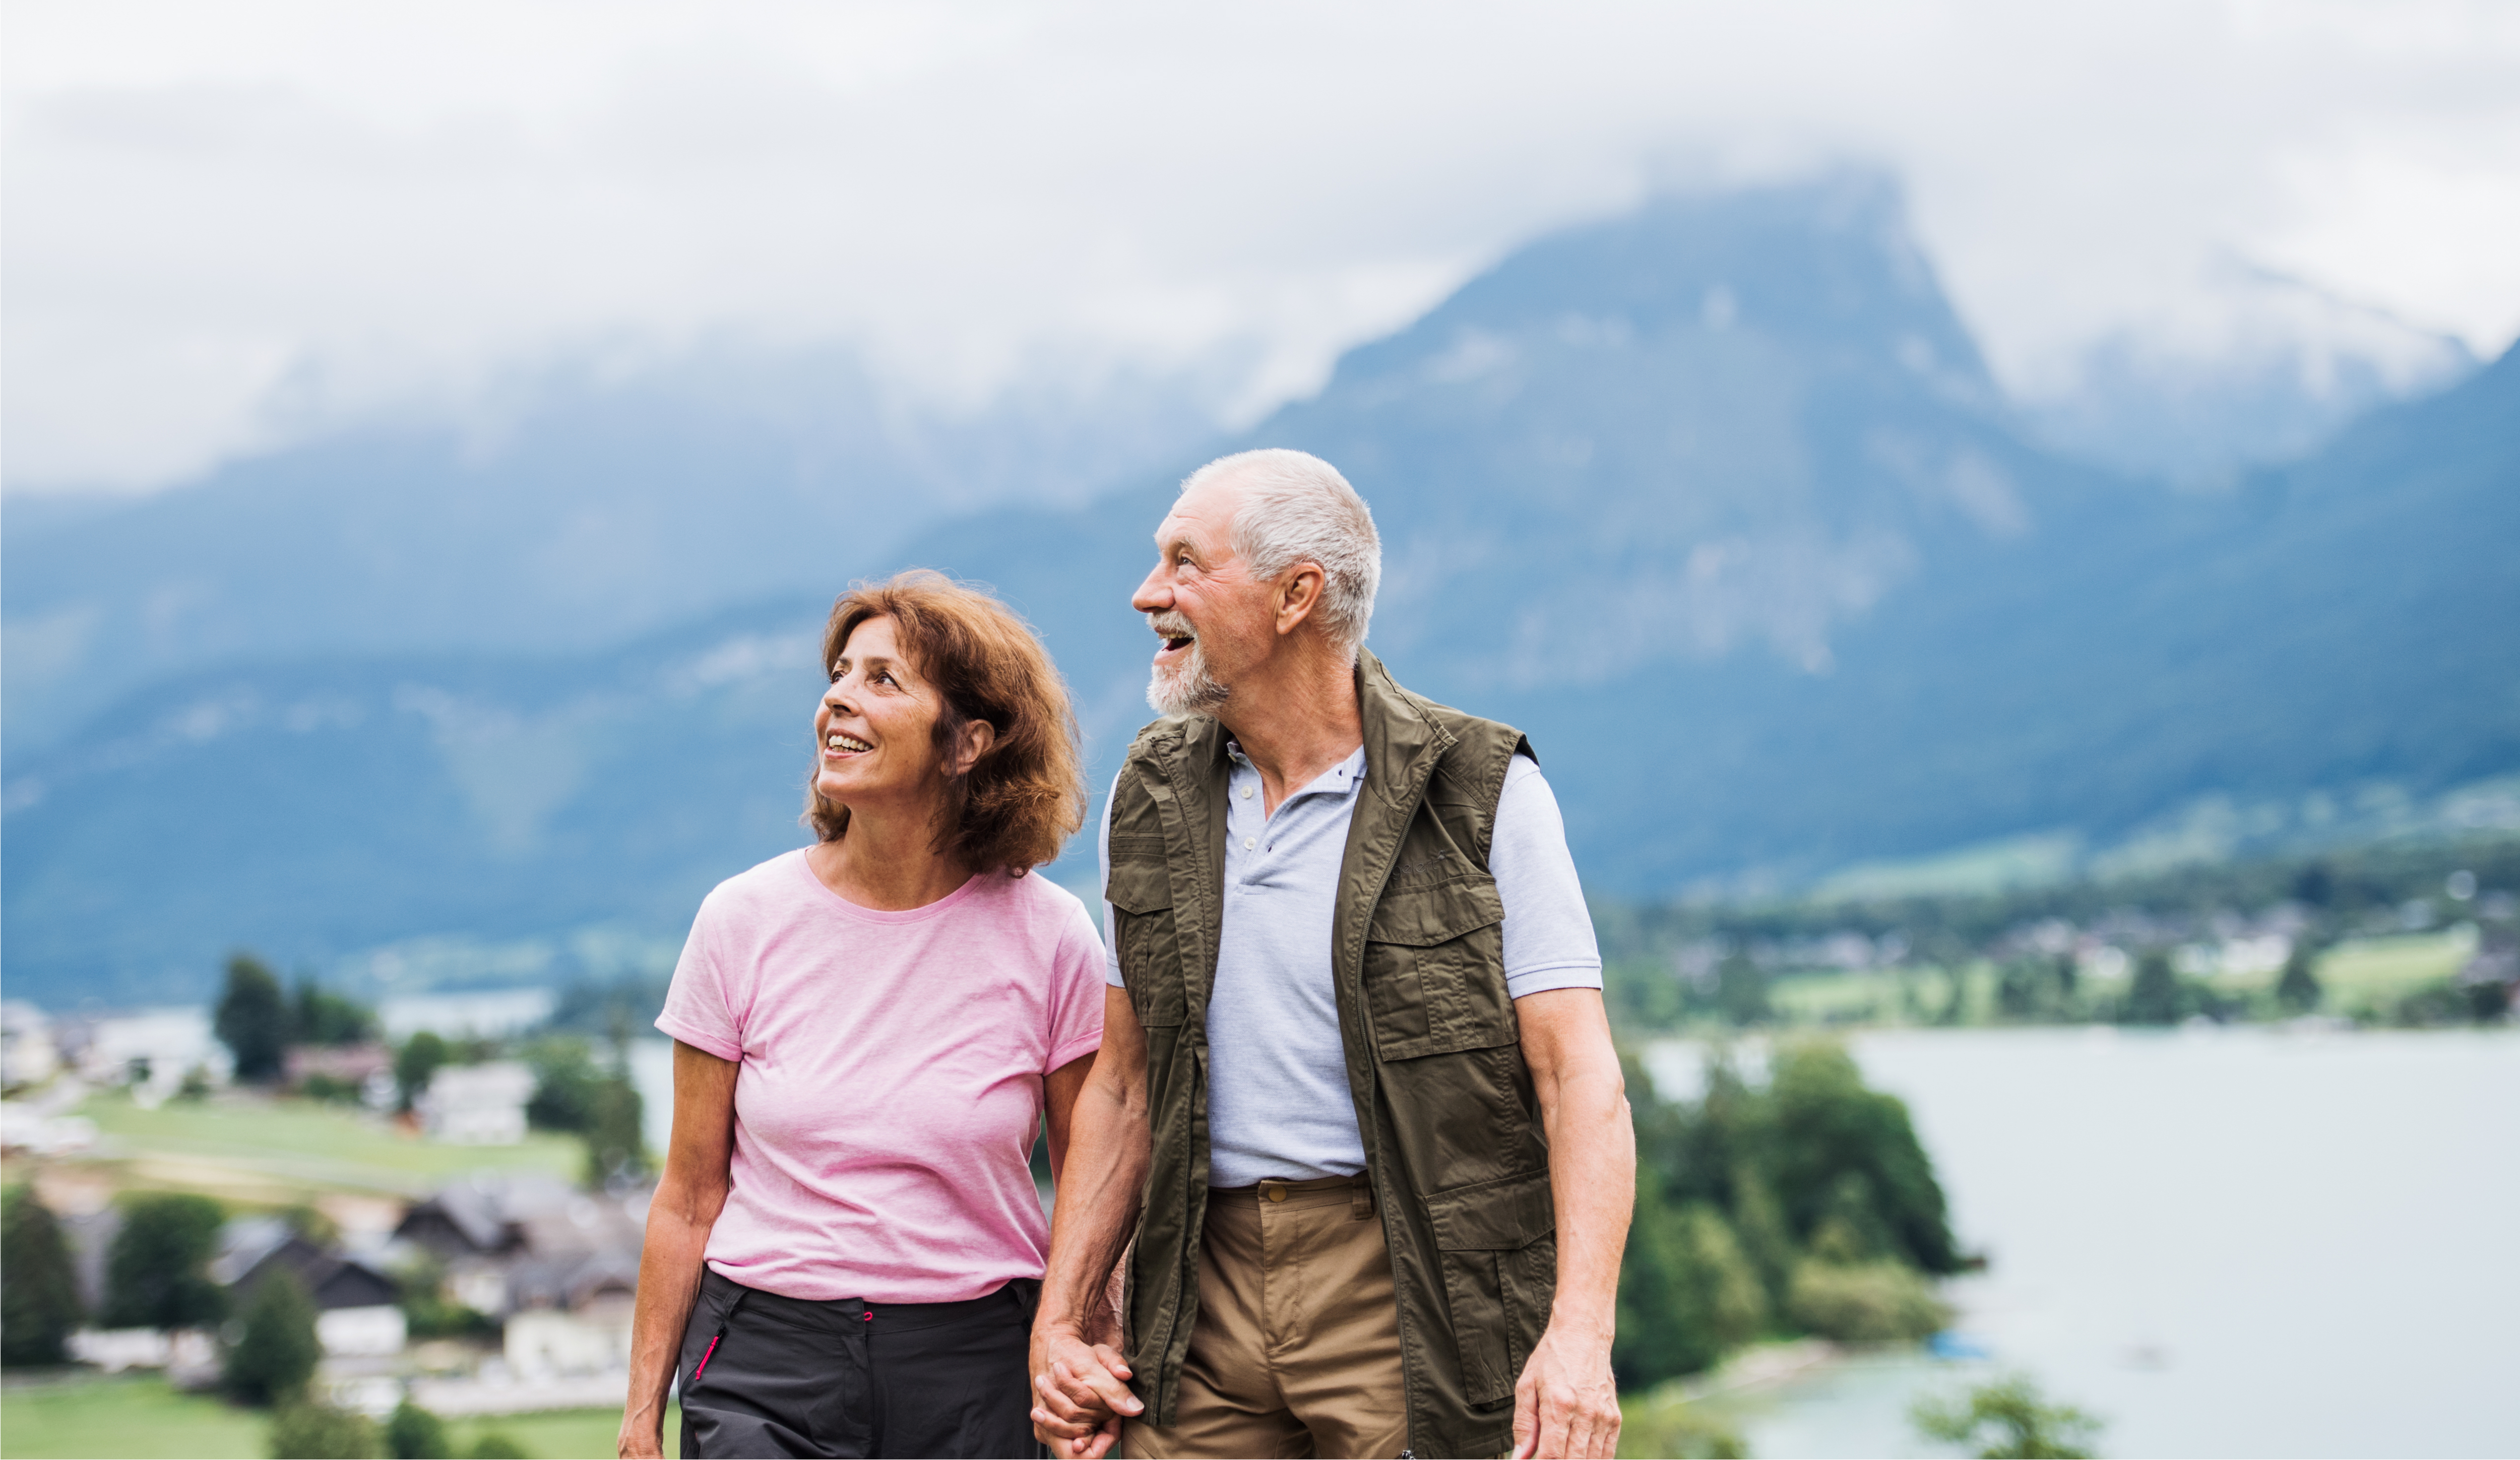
1277, 1101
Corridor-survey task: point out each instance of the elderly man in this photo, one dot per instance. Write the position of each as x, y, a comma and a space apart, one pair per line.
1357, 1099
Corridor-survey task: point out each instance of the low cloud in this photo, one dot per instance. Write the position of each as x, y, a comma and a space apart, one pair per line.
234, 225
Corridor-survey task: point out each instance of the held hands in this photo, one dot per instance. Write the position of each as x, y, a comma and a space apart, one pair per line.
1080, 1396
1566, 1404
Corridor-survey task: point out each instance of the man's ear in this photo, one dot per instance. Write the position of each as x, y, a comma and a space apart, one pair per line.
979, 738
1298, 595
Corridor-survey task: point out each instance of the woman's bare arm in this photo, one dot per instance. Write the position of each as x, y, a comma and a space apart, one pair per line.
687, 1199
1059, 1089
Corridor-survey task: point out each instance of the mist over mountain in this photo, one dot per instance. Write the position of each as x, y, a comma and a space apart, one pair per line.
2273, 372
1716, 502
587, 513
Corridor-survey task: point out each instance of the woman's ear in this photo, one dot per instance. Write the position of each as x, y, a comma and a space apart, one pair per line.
979, 738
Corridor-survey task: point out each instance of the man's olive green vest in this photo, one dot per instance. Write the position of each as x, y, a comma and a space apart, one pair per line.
1443, 1103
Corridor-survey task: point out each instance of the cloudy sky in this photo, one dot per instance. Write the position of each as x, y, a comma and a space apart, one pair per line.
232, 223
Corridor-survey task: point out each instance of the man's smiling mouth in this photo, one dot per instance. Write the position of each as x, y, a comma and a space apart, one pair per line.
1173, 629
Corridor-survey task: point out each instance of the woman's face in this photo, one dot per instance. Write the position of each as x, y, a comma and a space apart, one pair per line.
875, 729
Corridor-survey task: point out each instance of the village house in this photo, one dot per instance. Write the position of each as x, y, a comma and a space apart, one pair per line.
357, 1315
477, 1105
151, 1050
27, 1054
559, 1266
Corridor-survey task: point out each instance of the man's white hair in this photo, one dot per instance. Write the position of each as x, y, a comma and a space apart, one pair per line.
1296, 509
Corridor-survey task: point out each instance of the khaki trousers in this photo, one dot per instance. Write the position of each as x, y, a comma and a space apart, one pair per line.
1297, 1350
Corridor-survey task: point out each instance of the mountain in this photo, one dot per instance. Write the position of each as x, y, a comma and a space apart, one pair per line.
591, 511
2264, 369
1716, 501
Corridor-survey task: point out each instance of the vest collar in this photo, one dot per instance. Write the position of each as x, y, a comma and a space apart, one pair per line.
1402, 742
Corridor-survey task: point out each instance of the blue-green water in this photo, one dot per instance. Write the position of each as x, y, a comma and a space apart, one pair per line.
2241, 1242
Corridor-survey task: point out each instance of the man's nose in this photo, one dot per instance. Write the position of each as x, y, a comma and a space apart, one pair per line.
1153, 596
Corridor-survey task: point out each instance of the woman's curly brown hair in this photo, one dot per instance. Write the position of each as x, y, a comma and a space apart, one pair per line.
1018, 805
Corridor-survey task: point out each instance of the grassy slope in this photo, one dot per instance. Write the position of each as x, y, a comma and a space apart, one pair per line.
2357, 976
147, 1418
237, 1141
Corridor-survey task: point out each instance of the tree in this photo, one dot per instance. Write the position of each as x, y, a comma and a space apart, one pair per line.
1827, 1126
253, 1020
312, 1432
416, 1061
615, 1147
2298, 989
1724, 1293
2008, 1420
495, 1445
1657, 1337
39, 1302
565, 1078
415, 1433
1881, 1301
2018, 994
1850, 1228
2153, 997
319, 1016
154, 1273
277, 1354
1766, 1240
1740, 990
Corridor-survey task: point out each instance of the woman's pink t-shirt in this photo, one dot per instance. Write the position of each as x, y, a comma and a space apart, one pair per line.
890, 1080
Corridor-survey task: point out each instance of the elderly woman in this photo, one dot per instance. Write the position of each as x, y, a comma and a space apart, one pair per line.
844, 1252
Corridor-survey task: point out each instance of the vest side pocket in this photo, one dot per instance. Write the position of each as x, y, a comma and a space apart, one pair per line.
1140, 894
1493, 1240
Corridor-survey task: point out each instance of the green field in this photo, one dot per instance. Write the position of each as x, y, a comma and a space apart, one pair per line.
147, 1418
1910, 997
139, 1418
2362, 977
2363, 972
240, 1141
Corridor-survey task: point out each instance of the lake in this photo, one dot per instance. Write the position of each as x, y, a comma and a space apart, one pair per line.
2223, 1242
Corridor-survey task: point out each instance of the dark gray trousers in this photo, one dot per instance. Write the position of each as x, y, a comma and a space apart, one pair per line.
763, 1375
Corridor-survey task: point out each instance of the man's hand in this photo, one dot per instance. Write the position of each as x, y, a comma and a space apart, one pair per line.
1080, 1394
1566, 1404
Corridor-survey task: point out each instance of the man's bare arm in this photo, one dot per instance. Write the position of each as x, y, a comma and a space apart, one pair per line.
1566, 1404
1078, 1377
688, 1196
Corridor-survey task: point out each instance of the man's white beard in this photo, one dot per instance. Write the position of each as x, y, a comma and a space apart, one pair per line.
1188, 690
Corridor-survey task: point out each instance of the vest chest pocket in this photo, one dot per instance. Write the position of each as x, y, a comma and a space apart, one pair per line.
1435, 969
1140, 894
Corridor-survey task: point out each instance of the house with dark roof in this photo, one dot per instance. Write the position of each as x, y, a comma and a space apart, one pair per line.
357, 1307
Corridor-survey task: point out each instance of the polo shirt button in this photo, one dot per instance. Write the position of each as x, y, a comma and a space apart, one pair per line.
1246, 793
1248, 843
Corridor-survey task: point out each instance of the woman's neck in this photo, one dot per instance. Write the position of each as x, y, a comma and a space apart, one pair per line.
887, 862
